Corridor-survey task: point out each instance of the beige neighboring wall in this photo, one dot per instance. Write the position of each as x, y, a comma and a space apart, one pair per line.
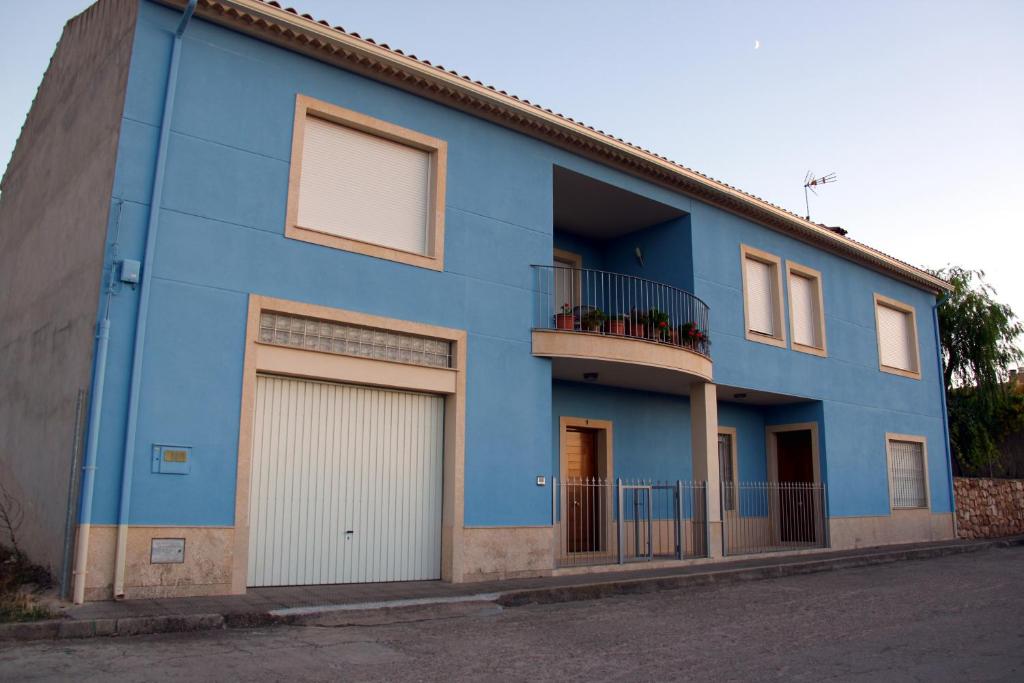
54, 207
902, 526
205, 571
496, 553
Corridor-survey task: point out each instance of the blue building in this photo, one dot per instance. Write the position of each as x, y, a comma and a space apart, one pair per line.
285, 306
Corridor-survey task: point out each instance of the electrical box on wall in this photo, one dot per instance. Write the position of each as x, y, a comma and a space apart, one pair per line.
172, 459
130, 271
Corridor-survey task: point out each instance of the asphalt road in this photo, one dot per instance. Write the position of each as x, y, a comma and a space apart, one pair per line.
955, 618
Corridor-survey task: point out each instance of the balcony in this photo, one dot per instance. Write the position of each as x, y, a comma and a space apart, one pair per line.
620, 330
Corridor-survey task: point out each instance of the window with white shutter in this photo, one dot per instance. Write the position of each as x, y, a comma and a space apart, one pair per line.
908, 472
365, 185
806, 309
897, 337
762, 298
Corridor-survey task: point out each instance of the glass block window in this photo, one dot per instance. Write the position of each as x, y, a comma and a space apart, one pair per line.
313, 334
907, 474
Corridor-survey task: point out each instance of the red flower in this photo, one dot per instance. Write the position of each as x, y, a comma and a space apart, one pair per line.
663, 324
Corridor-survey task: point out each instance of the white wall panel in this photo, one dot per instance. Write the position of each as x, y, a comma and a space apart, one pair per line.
333, 458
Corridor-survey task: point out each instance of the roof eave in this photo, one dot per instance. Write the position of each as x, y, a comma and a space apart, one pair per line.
305, 35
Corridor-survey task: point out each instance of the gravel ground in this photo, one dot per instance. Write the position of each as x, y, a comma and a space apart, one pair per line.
952, 618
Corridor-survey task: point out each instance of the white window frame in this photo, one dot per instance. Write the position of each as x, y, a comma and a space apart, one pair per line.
900, 307
433, 256
798, 270
779, 320
912, 438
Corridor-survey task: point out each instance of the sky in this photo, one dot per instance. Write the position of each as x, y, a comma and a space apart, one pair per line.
917, 107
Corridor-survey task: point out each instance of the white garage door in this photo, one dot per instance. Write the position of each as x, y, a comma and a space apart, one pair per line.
346, 484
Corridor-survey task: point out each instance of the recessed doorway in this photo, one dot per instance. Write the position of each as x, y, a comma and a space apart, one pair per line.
793, 464
585, 500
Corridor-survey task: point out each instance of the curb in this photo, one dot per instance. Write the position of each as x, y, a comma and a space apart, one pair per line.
133, 626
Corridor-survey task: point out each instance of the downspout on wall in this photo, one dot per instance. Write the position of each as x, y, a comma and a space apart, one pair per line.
152, 229
945, 417
96, 387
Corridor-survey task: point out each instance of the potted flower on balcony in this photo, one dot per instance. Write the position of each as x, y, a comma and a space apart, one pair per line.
565, 320
637, 324
691, 335
658, 324
617, 325
593, 319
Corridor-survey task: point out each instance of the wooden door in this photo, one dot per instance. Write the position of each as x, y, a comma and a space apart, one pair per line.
795, 456
584, 493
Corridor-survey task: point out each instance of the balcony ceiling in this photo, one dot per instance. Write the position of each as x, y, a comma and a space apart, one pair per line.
591, 208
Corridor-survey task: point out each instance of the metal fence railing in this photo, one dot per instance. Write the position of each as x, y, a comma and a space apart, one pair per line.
760, 517
599, 521
599, 302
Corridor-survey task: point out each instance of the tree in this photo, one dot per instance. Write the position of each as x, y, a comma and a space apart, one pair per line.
979, 345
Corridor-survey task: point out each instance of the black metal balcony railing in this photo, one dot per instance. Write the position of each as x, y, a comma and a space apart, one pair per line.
598, 302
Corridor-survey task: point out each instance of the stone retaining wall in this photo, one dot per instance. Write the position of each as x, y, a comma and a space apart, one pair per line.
989, 508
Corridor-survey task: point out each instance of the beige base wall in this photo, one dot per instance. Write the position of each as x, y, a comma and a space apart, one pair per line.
902, 526
205, 571
506, 552
489, 553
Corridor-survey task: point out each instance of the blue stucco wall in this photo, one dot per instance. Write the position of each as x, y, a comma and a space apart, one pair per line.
222, 237
859, 403
650, 432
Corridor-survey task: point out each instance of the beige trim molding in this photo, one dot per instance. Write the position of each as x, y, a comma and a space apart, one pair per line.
315, 365
902, 308
437, 149
624, 350
569, 257
779, 339
811, 274
913, 438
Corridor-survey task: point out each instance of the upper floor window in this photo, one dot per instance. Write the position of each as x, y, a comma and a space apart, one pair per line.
762, 297
806, 309
908, 471
365, 185
896, 324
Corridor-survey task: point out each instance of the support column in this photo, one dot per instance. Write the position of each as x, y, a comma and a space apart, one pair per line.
704, 445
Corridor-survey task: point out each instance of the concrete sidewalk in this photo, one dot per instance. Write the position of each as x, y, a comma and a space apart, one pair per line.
291, 605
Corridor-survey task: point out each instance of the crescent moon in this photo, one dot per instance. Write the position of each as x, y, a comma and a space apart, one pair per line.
757, 44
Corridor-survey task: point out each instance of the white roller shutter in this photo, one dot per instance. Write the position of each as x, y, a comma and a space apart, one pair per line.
760, 297
363, 187
346, 484
895, 339
803, 301
907, 472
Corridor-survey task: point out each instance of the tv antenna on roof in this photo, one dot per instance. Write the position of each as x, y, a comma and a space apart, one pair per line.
810, 182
